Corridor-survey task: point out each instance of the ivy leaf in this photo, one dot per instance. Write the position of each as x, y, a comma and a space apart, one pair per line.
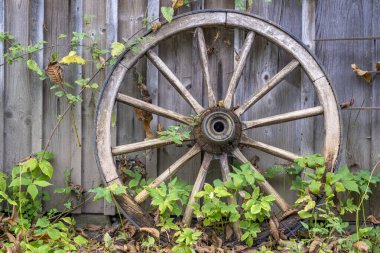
80, 240
46, 168
315, 186
47, 155
339, 187
304, 214
32, 190
42, 222
30, 164
167, 13
41, 183
33, 66
351, 185
53, 233
73, 58
117, 48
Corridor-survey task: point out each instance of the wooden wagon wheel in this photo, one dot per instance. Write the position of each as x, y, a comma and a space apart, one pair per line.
219, 131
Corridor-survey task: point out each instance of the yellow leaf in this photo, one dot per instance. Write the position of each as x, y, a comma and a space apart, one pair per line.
362, 73
72, 58
117, 48
177, 3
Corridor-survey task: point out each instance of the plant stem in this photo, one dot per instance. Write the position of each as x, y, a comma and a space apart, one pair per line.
362, 198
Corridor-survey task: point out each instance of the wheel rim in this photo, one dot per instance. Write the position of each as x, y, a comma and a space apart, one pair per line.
218, 130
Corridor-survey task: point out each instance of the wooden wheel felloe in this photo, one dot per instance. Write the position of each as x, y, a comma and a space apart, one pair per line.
219, 131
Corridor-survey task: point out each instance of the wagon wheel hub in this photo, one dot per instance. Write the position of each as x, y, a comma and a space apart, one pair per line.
218, 130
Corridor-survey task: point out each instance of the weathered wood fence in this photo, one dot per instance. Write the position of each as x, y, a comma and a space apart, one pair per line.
29, 110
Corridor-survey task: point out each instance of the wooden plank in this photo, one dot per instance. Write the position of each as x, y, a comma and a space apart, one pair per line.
18, 101
177, 53
267, 60
2, 85
90, 177
56, 22
306, 127
343, 19
152, 84
76, 159
375, 114
220, 42
111, 36
349, 20
36, 34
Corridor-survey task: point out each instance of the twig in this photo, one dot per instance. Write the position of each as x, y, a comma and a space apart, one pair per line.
349, 38
362, 108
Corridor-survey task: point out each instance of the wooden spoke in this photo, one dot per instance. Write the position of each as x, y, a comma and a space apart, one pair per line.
196, 188
143, 195
246, 48
204, 64
173, 80
285, 117
269, 85
137, 103
245, 140
225, 171
265, 186
140, 146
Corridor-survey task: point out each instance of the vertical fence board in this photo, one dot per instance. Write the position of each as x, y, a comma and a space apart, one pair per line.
56, 23
2, 85
348, 19
36, 35
375, 115
152, 85
17, 109
111, 36
94, 12
265, 61
306, 127
176, 52
76, 20
220, 43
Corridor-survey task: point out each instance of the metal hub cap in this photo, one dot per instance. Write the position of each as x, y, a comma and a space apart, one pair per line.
218, 130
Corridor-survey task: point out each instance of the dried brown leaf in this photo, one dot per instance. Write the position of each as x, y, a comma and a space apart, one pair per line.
216, 240
314, 246
378, 66
152, 231
347, 104
229, 233
155, 26
54, 72
362, 246
240, 248
130, 247
205, 249
362, 73
373, 219
144, 116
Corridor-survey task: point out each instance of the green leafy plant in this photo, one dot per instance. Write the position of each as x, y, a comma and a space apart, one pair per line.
186, 239
27, 180
177, 134
148, 243
108, 192
214, 209
135, 181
